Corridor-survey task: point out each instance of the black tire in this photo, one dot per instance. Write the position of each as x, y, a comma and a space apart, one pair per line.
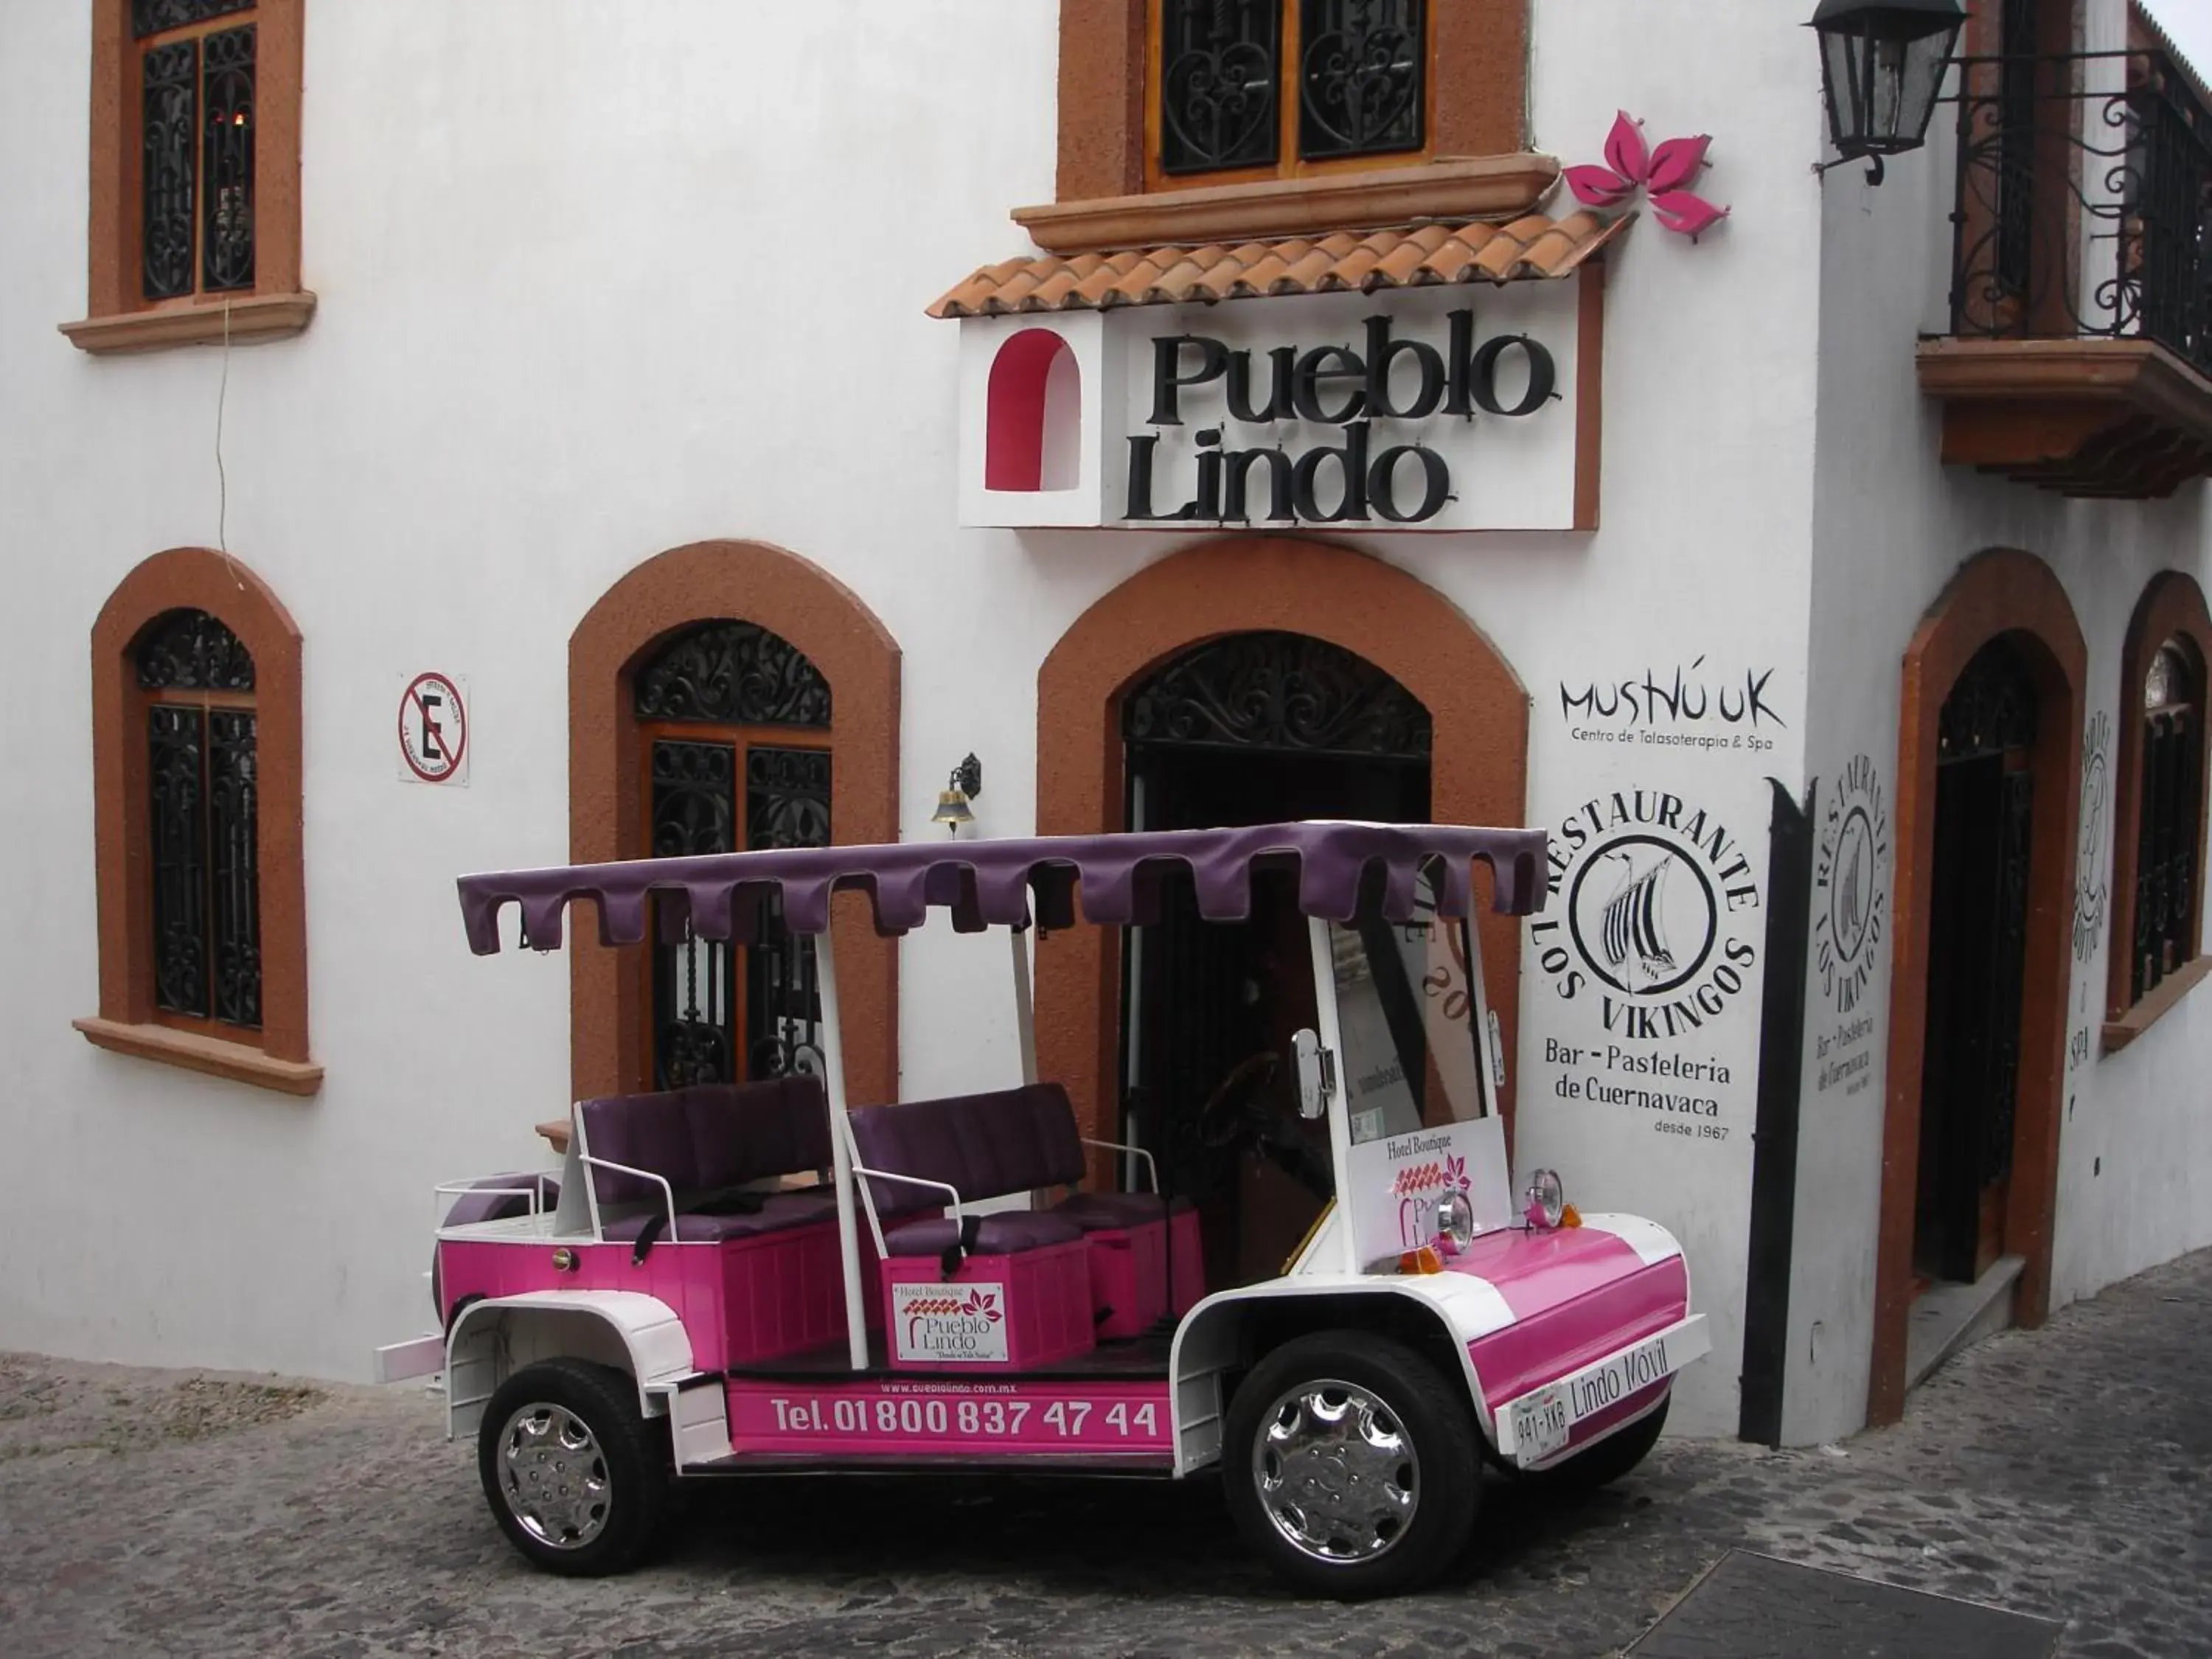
1414, 1405
1608, 1461
530, 1424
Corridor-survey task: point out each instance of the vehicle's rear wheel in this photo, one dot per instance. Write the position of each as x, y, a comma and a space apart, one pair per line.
1351, 1464
1608, 1461
576, 1478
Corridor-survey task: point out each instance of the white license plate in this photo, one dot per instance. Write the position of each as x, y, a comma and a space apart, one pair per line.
1539, 1424
1543, 1416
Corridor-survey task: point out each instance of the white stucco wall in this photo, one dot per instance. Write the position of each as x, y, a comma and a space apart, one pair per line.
594, 281
1892, 526
598, 281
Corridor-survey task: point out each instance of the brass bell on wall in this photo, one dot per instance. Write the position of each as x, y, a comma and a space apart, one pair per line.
961, 787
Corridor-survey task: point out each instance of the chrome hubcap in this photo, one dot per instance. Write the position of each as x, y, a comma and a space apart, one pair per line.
1336, 1471
553, 1476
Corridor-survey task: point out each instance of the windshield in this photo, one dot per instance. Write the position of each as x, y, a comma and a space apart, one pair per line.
1411, 1017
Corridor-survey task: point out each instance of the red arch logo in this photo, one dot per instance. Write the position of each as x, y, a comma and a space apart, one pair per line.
1034, 423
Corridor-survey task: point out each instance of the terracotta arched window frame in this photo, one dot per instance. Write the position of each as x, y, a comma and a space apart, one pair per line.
132, 1019
801, 603
1033, 436
1250, 584
2159, 825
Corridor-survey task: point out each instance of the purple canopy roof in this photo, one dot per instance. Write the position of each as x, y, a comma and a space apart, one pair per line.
1000, 883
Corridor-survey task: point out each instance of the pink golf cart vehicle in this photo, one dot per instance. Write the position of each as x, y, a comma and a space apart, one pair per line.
768, 1277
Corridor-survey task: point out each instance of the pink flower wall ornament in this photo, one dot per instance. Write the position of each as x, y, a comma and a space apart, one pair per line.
1663, 174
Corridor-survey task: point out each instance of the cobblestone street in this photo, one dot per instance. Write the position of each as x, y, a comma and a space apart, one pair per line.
2063, 1473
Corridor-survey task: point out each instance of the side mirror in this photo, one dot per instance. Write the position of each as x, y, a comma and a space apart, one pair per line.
1317, 1074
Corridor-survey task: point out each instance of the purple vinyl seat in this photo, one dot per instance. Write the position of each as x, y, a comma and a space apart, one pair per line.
710, 1142
982, 1146
1105, 1212
777, 1212
1002, 1232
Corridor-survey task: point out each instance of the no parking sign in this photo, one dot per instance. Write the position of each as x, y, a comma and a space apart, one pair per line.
434, 729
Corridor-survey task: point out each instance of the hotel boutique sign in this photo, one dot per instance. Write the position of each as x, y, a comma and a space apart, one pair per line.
1453, 408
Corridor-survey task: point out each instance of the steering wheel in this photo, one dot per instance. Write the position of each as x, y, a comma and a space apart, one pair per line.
1231, 1112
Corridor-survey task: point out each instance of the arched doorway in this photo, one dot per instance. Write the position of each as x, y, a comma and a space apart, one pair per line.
1977, 944
1989, 760
1263, 727
735, 734
1477, 768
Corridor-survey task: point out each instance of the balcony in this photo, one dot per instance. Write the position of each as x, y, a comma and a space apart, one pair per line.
2080, 353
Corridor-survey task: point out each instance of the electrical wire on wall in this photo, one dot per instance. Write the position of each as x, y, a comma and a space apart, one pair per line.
221, 478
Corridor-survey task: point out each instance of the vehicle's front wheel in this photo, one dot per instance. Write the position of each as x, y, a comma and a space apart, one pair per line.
1351, 1464
576, 1478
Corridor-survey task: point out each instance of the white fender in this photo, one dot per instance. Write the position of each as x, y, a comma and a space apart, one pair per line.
494, 1338
1464, 1308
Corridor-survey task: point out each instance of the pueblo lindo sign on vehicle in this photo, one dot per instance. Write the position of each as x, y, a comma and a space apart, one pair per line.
956, 1323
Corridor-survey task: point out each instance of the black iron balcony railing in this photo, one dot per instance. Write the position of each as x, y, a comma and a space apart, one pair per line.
2084, 205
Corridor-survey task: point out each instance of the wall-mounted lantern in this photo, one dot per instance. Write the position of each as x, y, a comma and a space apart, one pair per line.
1882, 69
963, 787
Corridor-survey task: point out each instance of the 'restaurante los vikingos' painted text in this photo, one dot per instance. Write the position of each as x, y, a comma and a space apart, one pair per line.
1508, 375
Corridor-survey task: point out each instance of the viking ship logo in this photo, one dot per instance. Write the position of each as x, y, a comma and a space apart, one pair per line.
1849, 883
1635, 934
1854, 882
1850, 908
1643, 914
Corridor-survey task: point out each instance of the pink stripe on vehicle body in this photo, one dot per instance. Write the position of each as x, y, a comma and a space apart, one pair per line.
742, 1301
1535, 1272
1576, 1294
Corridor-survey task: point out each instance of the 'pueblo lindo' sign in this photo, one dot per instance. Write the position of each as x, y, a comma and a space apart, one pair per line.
1325, 386
1455, 407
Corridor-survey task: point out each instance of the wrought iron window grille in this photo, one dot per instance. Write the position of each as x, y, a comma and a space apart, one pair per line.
732, 673
716, 1020
1991, 709
1361, 77
197, 138
1283, 692
193, 651
2083, 201
159, 16
1353, 75
203, 826
2170, 824
1220, 66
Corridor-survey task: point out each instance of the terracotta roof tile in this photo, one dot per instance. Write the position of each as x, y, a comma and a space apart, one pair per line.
1533, 247
1261, 272
1400, 264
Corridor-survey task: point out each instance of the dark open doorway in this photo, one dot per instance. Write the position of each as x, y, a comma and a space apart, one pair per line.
1977, 956
1251, 728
